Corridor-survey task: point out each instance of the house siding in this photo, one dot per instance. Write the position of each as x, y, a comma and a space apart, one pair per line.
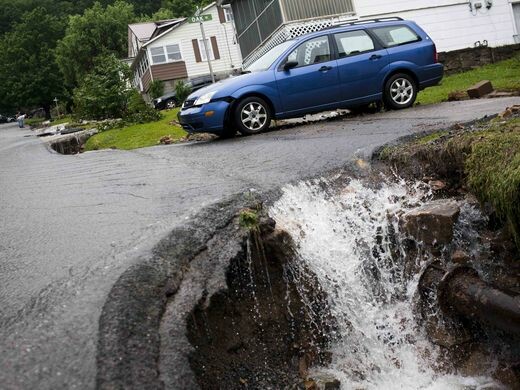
170, 71
146, 80
230, 57
450, 24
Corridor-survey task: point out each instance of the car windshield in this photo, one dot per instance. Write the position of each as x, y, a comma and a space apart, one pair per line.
269, 58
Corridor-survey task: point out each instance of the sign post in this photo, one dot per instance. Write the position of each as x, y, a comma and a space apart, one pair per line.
57, 107
199, 18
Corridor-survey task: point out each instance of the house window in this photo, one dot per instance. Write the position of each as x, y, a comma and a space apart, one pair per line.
174, 52
203, 50
158, 56
353, 42
168, 53
228, 14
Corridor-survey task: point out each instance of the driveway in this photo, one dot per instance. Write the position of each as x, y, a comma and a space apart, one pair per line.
71, 225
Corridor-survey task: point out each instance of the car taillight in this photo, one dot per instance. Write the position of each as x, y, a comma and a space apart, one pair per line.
435, 55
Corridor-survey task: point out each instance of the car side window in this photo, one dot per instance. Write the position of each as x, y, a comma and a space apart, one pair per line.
314, 51
395, 35
353, 42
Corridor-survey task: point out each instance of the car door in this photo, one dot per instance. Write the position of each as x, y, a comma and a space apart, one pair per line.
360, 64
313, 83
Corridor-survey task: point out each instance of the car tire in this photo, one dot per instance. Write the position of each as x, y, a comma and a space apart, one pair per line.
400, 91
252, 115
170, 104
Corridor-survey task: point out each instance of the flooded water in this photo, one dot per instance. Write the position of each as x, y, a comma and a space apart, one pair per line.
350, 239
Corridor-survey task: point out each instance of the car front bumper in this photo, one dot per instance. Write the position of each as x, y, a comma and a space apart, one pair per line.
208, 118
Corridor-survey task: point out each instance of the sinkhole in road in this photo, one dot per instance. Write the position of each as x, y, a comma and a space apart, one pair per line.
327, 299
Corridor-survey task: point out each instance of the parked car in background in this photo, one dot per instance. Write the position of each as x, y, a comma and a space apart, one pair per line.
170, 100
345, 66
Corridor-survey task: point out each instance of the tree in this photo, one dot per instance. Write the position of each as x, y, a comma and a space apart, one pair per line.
98, 32
104, 91
28, 70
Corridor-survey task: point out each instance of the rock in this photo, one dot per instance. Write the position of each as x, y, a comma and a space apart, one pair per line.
480, 89
433, 222
437, 185
333, 384
460, 257
325, 382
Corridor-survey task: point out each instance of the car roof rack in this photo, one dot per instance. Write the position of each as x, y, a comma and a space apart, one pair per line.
367, 21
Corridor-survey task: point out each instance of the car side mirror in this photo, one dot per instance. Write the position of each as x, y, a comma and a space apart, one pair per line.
290, 65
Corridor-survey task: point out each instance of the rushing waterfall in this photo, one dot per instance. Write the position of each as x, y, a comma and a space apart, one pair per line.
350, 240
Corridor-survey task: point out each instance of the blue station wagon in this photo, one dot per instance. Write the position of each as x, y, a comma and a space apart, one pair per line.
345, 66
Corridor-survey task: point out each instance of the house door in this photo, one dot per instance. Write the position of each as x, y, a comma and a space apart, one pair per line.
314, 82
360, 63
516, 13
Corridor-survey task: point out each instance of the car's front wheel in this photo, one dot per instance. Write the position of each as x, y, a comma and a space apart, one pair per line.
252, 116
400, 91
171, 104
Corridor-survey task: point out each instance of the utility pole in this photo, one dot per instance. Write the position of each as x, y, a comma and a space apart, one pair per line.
201, 22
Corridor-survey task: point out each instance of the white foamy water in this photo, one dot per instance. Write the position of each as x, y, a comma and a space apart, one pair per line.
345, 239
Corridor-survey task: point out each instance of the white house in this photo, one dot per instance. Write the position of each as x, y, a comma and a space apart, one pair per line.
178, 52
452, 24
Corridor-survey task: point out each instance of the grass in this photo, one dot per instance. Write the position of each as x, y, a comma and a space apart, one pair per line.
249, 219
503, 75
493, 170
137, 136
432, 137
39, 121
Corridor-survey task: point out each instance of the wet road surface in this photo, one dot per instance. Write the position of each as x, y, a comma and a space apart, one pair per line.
71, 225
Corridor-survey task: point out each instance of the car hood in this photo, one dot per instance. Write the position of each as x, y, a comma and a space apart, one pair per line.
227, 86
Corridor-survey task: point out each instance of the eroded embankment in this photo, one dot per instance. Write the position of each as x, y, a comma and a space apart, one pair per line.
324, 288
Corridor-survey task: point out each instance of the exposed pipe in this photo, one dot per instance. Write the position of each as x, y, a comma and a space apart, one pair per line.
462, 291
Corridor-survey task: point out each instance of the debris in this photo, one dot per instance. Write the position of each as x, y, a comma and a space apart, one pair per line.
480, 89
458, 126
166, 140
509, 111
456, 96
460, 257
437, 185
501, 94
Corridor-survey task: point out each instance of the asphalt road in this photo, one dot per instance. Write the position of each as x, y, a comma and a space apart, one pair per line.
71, 225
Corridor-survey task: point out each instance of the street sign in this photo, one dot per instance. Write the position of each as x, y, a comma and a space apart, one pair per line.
200, 19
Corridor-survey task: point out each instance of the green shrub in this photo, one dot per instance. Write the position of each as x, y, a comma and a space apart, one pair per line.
138, 111
182, 91
156, 89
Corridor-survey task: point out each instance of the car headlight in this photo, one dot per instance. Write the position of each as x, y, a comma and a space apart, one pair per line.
204, 99
158, 100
